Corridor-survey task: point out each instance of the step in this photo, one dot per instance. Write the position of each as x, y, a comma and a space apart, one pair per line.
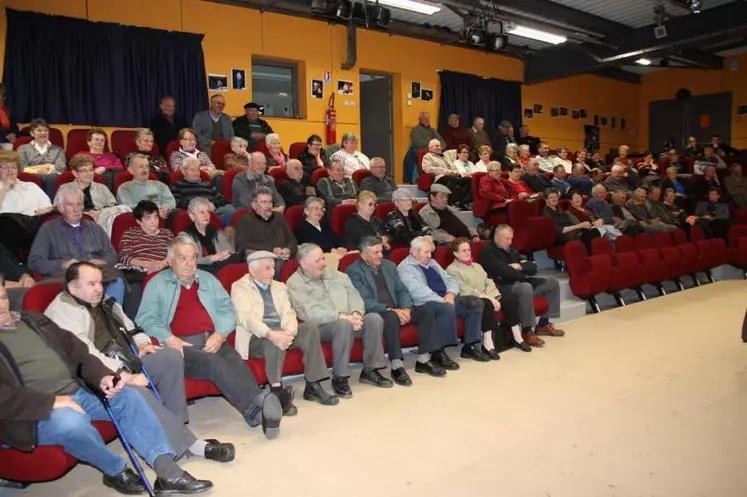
571, 307
416, 192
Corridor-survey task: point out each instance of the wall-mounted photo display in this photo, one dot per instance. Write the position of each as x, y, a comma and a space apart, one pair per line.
538, 108
528, 113
613, 122
317, 88
603, 121
582, 113
563, 111
575, 114
217, 82
554, 112
426, 95
623, 124
238, 79
345, 87
415, 92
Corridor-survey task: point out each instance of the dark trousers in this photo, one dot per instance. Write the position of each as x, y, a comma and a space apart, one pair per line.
583, 235
461, 188
502, 336
224, 368
425, 317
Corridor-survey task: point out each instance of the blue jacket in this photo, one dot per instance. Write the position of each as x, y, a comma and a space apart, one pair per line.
362, 278
161, 295
414, 279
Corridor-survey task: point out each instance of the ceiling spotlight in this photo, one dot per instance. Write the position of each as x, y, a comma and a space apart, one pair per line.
696, 6
643, 62
496, 42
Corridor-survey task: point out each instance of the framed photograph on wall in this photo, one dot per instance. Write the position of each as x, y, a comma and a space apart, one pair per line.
538, 108
345, 87
238, 79
317, 88
528, 113
426, 95
563, 111
217, 82
415, 91
554, 112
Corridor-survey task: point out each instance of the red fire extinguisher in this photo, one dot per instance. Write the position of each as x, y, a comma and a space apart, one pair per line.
331, 120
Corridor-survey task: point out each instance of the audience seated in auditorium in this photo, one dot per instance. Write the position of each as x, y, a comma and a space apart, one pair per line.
567, 226
722, 149
536, 180
8, 126
525, 138
639, 208
254, 177
384, 293
142, 248
434, 162
577, 209
250, 126
518, 188
275, 155
428, 282
191, 186
494, 188
606, 212
349, 156
313, 156
22, 197
267, 327
144, 140
404, 223
41, 157
422, 133
293, 188
735, 186
446, 222
337, 189
713, 215
510, 157
187, 309
455, 135
692, 149
238, 156
545, 162
364, 222
188, 148
473, 281
328, 298
596, 161
709, 158
17, 276
701, 186
141, 188
96, 196
517, 277
378, 182
167, 124
480, 138
617, 179
485, 154
314, 229
211, 125
49, 366
560, 180
579, 180
502, 137
562, 159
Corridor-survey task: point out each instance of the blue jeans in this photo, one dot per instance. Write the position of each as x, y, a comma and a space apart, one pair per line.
470, 308
116, 289
48, 183
77, 436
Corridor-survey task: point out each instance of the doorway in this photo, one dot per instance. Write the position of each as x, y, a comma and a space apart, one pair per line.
702, 116
377, 126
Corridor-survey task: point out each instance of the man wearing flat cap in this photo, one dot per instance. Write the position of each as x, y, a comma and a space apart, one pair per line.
267, 327
250, 127
446, 221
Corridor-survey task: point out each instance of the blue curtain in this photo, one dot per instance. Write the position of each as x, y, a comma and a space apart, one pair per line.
473, 96
74, 71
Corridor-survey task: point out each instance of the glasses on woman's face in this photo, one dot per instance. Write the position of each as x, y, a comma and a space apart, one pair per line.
188, 140
8, 167
316, 145
85, 170
317, 208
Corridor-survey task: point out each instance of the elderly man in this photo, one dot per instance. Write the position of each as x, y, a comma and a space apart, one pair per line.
709, 158
455, 135
267, 327
188, 310
639, 208
337, 189
378, 182
713, 215
535, 179
447, 222
447, 174
70, 239
422, 133
525, 138
328, 298
617, 180
49, 384
192, 186
102, 325
141, 188
167, 123
428, 282
657, 209
245, 183
250, 127
704, 184
293, 188
263, 229
16, 196
735, 186
144, 140
625, 221
480, 138
545, 162
516, 276
579, 180
383, 292
212, 124
503, 136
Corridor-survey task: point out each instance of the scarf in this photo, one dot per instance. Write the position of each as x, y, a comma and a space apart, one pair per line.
206, 241
4, 117
190, 154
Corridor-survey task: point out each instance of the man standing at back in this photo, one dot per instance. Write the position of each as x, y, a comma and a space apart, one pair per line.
167, 124
212, 124
422, 133
250, 127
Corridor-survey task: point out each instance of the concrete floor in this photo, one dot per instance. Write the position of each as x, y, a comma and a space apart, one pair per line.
647, 400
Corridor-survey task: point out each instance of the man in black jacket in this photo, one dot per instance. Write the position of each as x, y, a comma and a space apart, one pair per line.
167, 124
534, 178
49, 385
515, 275
250, 127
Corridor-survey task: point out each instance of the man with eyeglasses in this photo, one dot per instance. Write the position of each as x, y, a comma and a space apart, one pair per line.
213, 124
378, 182
314, 156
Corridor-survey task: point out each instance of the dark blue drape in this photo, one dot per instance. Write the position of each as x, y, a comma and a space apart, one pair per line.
74, 71
473, 96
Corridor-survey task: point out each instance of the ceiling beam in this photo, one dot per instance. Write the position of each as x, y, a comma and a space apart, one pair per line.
619, 74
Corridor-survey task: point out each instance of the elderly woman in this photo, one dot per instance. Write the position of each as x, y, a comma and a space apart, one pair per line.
144, 142
313, 156
96, 196
524, 154
511, 157
41, 157
484, 153
106, 162
462, 162
495, 189
275, 155
427, 282
404, 223
364, 222
188, 148
315, 230
350, 157
239, 155
567, 226
214, 249
474, 281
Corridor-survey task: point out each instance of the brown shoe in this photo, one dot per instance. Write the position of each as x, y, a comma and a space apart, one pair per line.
532, 339
549, 330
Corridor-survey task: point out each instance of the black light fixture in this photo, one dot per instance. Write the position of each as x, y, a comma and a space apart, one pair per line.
496, 42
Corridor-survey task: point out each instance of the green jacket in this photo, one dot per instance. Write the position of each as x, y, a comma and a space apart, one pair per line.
323, 300
161, 295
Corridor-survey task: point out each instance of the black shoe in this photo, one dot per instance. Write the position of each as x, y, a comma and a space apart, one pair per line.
523, 346
316, 392
285, 395
474, 351
493, 354
125, 482
430, 368
341, 387
185, 484
266, 411
217, 451
442, 359
373, 377
401, 377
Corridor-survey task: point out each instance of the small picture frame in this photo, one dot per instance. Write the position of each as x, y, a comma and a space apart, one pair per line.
317, 89
564, 112
217, 82
415, 92
238, 79
537, 108
554, 112
582, 113
426, 95
345, 87
528, 113
575, 114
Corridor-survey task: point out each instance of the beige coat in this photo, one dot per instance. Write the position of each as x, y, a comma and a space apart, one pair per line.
438, 165
250, 310
430, 216
473, 280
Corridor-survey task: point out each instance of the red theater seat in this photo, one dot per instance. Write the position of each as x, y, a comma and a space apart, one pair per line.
589, 275
288, 269
231, 273
425, 180
68, 177
295, 149
383, 210
218, 152
236, 215
318, 174
119, 137
340, 215
21, 140
228, 182
532, 232
30, 178
360, 175
182, 221
626, 270
76, 142
347, 260
399, 254
278, 174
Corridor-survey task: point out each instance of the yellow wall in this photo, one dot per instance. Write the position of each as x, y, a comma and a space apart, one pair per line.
662, 85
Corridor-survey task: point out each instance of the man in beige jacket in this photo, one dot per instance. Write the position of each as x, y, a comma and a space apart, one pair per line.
267, 327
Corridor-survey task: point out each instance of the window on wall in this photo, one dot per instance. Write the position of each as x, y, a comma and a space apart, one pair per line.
274, 86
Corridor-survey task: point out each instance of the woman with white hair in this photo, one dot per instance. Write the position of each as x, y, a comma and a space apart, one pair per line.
314, 229
524, 154
239, 154
511, 157
214, 248
404, 223
144, 142
350, 157
275, 155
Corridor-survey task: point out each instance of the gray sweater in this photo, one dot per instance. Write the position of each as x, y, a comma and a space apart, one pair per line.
245, 183
29, 156
203, 125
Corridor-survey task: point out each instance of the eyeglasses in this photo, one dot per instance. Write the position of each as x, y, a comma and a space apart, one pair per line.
8, 167
189, 139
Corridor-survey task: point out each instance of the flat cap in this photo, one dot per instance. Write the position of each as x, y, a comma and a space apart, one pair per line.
439, 188
259, 255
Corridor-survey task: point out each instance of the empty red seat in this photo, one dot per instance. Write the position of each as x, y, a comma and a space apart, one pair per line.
626, 271
218, 152
360, 175
119, 137
278, 174
294, 216
589, 275
532, 232
425, 180
651, 264
340, 215
228, 178
295, 149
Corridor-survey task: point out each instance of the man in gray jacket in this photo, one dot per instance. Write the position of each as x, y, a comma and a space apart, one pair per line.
447, 222
212, 124
328, 298
244, 184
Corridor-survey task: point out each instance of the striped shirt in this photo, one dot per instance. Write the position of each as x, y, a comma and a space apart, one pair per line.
184, 191
136, 244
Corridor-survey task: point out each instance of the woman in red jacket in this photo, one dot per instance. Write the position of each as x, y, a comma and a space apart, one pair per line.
493, 188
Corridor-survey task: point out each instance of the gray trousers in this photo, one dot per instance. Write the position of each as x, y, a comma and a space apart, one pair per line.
180, 437
524, 294
166, 368
341, 334
15, 296
307, 339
